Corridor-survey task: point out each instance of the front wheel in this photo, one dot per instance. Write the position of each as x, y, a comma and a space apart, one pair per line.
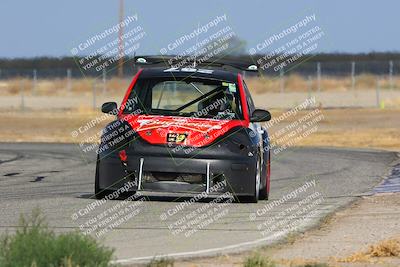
264, 192
254, 198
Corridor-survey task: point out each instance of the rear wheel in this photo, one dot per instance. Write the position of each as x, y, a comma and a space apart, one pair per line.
101, 193
98, 193
257, 177
264, 192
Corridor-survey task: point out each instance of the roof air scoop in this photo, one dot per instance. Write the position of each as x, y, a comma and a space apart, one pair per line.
252, 67
141, 60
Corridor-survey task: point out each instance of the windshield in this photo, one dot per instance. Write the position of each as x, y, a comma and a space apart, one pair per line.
187, 97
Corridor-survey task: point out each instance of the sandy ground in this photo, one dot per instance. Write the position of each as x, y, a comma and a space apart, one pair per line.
272, 100
367, 128
340, 241
367, 222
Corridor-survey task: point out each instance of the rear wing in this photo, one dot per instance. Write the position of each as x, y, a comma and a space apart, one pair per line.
173, 61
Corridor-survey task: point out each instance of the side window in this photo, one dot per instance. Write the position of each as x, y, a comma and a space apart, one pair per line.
250, 102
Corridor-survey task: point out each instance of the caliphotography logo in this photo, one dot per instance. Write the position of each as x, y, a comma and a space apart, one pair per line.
213, 133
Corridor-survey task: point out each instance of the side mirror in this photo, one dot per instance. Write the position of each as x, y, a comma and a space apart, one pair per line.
260, 115
109, 108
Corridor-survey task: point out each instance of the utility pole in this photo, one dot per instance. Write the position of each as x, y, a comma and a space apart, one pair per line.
353, 79
319, 76
309, 85
104, 81
120, 44
378, 88
94, 95
391, 74
282, 80
69, 86
21, 90
34, 82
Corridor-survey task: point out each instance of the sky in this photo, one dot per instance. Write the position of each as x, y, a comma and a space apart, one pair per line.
53, 28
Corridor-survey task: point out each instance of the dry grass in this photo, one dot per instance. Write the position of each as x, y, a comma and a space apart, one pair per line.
299, 262
293, 83
385, 248
364, 128
368, 138
47, 126
296, 83
50, 87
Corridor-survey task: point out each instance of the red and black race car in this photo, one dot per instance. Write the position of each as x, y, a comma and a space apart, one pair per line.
185, 130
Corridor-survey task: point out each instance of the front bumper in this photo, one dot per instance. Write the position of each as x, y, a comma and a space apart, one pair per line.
223, 166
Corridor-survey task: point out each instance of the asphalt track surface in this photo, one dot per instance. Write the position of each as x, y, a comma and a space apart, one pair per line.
59, 178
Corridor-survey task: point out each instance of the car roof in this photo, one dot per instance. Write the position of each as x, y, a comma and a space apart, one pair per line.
214, 74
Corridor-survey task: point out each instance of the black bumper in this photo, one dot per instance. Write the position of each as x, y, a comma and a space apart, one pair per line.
226, 167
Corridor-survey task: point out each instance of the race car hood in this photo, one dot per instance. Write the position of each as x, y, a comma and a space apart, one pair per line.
186, 131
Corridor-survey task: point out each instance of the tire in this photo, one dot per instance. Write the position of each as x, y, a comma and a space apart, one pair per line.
254, 198
264, 192
101, 193
98, 193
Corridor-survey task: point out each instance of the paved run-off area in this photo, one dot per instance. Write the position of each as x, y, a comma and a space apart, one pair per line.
309, 183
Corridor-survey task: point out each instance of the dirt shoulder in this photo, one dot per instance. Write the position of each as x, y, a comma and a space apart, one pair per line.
346, 238
360, 235
361, 128
367, 222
